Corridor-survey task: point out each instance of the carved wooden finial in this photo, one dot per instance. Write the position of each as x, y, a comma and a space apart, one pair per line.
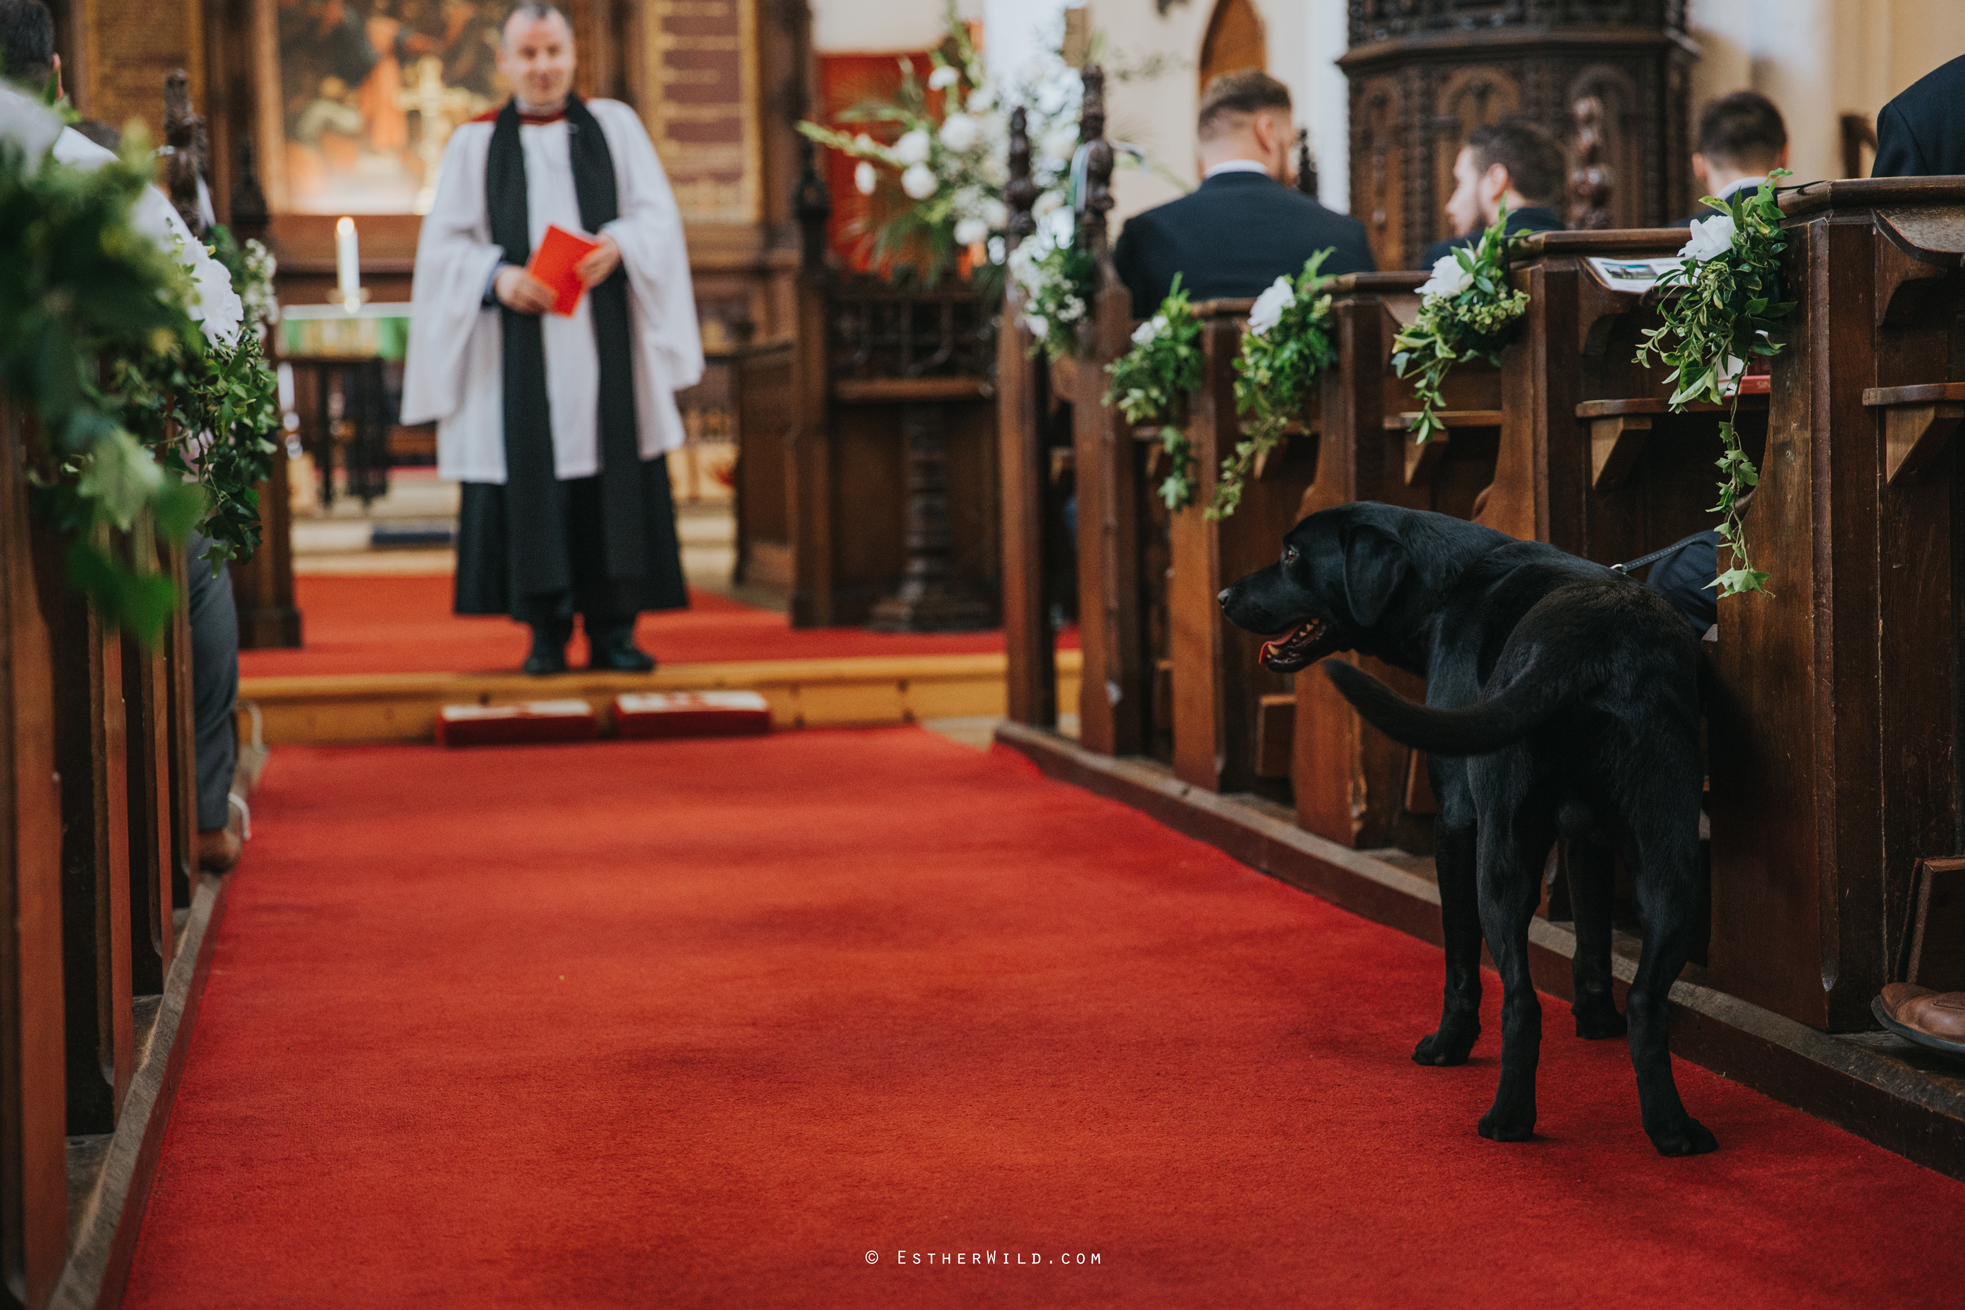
248, 217
812, 206
1021, 192
1306, 164
1096, 201
184, 133
1591, 179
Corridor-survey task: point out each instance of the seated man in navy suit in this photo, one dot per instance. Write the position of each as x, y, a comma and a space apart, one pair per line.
1242, 228
1922, 132
1511, 164
1741, 140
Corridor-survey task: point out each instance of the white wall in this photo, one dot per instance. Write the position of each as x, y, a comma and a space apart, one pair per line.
845, 27
1820, 59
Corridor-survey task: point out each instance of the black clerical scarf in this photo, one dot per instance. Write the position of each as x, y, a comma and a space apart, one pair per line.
534, 510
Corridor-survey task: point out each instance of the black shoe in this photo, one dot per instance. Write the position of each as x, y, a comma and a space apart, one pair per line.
614, 649
548, 651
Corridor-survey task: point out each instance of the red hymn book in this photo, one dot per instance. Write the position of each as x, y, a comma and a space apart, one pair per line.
552, 263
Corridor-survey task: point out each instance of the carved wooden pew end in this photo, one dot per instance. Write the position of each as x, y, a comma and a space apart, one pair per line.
1918, 423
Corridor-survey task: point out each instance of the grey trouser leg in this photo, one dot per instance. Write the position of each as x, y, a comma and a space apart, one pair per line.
214, 681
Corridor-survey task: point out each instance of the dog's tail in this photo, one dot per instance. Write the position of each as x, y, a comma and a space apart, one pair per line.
1476, 730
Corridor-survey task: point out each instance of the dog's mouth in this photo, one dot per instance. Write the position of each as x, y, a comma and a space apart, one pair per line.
1300, 649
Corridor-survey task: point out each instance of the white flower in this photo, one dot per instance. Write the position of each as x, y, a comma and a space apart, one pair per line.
863, 178
943, 78
1047, 202
982, 99
959, 132
1060, 143
1144, 334
213, 302
969, 231
1037, 324
1269, 306
912, 148
919, 182
998, 247
1449, 279
1072, 310
995, 213
1711, 237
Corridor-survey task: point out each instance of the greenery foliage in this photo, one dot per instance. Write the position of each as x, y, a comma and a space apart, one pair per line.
1286, 345
1722, 305
1151, 381
1467, 312
99, 346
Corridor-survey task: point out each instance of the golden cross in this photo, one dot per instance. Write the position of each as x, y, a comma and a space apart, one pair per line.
441, 107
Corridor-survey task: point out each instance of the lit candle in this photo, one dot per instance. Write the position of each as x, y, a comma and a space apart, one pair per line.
347, 263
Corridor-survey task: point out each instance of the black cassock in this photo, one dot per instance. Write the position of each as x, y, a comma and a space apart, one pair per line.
537, 547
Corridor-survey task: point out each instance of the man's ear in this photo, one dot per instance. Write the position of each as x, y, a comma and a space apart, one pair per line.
1495, 183
1374, 567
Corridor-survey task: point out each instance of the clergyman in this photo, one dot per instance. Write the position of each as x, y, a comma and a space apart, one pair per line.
558, 426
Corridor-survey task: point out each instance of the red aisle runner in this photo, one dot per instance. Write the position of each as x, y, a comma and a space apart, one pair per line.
403, 624
706, 1023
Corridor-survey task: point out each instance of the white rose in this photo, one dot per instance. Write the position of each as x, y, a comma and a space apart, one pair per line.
863, 178
213, 304
1039, 327
998, 248
1269, 306
959, 132
969, 231
1711, 237
919, 182
943, 78
865, 144
1060, 143
1144, 334
995, 213
1047, 202
982, 100
1449, 279
912, 148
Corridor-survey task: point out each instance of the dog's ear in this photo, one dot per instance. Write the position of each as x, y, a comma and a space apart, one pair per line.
1374, 566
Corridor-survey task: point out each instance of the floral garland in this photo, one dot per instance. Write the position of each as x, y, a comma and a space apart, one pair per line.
1466, 311
94, 315
1727, 308
1055, 275
1152, 380
1287, 344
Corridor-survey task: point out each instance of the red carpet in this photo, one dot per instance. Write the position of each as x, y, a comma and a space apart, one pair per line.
704, 1023
403, 624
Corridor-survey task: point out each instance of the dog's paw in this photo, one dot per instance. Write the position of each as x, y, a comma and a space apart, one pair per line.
1508, 1125
1595, 1022
1689, 1138
1447, 1046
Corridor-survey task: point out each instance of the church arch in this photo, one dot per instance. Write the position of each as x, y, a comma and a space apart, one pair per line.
1233, 40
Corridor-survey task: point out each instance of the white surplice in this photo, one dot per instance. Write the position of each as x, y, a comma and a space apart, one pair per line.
454, 370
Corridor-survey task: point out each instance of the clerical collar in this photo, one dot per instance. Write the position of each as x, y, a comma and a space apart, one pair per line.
528, 119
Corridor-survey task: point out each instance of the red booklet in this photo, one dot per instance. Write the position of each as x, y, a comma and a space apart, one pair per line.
552, 263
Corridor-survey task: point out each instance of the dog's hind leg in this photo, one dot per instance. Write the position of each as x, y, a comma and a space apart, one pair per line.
1666, 869
1454, 862
1589, 868
1512, 851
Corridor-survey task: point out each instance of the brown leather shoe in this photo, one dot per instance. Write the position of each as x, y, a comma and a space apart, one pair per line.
218, 850
1935, 1014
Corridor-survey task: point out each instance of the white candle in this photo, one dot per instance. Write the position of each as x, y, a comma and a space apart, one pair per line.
347, 262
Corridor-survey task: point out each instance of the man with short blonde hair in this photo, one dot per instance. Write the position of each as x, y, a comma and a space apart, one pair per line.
1243, 227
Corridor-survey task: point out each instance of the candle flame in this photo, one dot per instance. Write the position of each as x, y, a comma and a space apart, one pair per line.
344, 227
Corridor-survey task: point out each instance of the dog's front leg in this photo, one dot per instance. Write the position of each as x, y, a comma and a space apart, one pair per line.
1512, 847
1455, 866
1591, 871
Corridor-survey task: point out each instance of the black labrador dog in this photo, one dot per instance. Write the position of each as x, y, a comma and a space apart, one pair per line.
1562, 703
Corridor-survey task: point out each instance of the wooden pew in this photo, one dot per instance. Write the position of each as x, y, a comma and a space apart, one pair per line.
761, 400
1221, 693
1833, 731
33, 1075
1352, 784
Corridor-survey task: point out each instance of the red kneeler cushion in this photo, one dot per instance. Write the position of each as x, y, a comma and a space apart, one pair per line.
530, 721
692, 714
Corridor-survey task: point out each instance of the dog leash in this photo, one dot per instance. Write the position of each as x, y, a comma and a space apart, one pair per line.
1657, 555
